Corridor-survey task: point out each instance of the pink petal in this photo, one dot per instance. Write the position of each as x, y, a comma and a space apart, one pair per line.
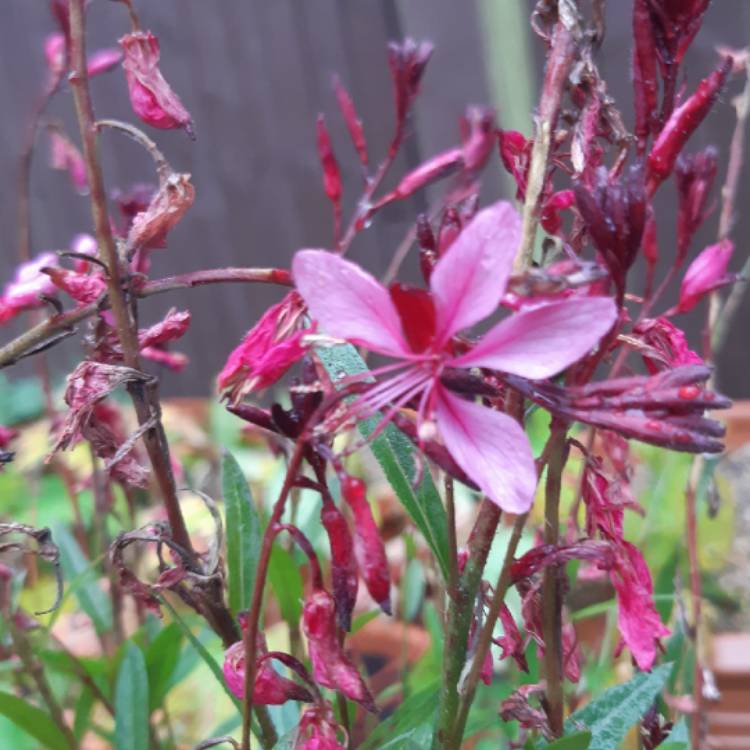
348, 302
491, 448
469, 280
543, 341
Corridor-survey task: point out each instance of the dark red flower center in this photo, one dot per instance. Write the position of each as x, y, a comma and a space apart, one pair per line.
417, 312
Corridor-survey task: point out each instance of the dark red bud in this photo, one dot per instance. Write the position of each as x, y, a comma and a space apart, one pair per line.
352, 121
369, 546
427, 246
344, 573
683, 123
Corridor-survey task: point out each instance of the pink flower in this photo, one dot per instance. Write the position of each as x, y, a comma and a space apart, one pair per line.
705, 274
151, 97
268, 350
28, 284
416, 327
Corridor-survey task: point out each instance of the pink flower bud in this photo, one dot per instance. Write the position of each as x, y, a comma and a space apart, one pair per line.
65, 156
172, 327
331, 667
705, 274
478, 137
267, 351
344, 573
683, 123
103, 60
55, 51
270, 688
352, 121
151, 97
368, 545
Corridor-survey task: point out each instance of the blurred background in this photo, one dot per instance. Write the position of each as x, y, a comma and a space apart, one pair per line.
254, 75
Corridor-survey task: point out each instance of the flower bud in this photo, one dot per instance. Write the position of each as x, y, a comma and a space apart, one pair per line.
407, 62
368, 546
705, 274
151, 97
682, 124
351, 120
23, 292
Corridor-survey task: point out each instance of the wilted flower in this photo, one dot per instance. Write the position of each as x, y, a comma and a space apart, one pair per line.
517, 707
705, 274
332, 668
82, 287
29, 283
150, 227
267, 351
318, 729
270, 688
416, 327
151, 97
694, 176
614, 212
665, 345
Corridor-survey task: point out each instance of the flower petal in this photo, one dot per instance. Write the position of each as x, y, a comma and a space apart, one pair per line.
469, 280
348, 302
543, 341
491, 448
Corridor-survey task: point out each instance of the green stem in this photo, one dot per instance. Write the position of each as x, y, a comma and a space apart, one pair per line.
460, 613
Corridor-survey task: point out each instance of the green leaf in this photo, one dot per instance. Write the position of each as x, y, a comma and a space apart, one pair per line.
577, 741
243, 533
131, 701
286, 583
361, 620
33, 721
162, 657
209, 660
395, 454
91, 597
412, 589
84, 704
409, 726
611, 715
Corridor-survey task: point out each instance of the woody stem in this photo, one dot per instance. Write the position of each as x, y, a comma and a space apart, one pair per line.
551, 592
251, 632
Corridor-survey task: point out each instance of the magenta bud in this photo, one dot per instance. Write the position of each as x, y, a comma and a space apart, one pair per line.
351, 120
694, 175
705, 274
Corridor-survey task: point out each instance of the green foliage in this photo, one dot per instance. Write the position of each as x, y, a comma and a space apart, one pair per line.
162, 658
395, 454
286, 584
577, 741
82, 581
131, 701
243, 533
610, 716
33, 721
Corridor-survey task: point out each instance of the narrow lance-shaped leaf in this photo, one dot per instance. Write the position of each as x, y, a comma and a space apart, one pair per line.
33, 721
243, 530
131, 701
